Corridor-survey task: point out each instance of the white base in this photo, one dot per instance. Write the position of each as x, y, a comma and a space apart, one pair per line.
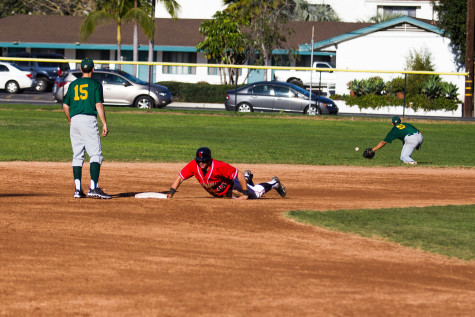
151, 195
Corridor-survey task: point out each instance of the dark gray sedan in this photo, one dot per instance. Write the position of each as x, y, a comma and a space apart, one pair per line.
277, 96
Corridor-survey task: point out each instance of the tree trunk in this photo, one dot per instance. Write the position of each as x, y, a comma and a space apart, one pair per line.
136, 53
136, 43
119, 51
151, 45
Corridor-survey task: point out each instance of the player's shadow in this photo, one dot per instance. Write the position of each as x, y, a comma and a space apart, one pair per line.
130, 194
19, 195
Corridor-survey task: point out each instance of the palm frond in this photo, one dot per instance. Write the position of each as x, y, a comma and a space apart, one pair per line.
143, 19
93, 20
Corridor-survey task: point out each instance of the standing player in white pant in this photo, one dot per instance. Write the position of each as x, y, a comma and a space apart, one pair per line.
82, 103
411, 137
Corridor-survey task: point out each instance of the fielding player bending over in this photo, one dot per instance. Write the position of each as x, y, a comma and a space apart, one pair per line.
220, 179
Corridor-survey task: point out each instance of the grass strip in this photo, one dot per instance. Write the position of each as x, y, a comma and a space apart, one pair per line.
447, 230
41, 133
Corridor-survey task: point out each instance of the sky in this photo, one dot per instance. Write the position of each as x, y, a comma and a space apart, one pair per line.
192, 9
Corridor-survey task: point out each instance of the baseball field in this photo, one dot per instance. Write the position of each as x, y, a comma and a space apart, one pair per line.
195, 255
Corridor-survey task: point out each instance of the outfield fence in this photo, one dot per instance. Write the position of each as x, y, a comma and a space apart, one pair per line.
322, 80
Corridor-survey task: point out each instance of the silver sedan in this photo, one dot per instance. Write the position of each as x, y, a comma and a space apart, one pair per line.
120, 88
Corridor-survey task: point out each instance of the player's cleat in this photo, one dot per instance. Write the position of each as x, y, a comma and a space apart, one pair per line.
412, 163
279, 187
79, 194
248, 175
98, 193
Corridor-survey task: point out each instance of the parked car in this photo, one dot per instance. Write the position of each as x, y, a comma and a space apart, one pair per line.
278, 96
14, 80
303, 78
120, 88
46, 72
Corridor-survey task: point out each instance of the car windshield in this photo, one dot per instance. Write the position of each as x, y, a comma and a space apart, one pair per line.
303, 91
133, 79
14, 66
63, 66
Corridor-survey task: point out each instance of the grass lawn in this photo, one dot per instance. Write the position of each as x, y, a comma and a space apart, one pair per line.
447, 230
41, 133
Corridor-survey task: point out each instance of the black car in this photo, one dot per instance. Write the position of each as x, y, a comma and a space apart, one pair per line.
46, 72
277, 96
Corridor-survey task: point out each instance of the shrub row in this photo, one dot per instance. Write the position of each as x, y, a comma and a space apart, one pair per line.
415, 102
431, 86
200, 92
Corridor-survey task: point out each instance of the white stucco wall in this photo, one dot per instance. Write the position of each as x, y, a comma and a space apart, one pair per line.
387, 51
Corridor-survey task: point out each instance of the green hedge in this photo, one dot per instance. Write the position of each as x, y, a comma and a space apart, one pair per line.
200, 92
207, 93
412, 101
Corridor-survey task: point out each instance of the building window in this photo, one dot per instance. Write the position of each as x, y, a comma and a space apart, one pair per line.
179, 57
397, 10
213, 70
94, 55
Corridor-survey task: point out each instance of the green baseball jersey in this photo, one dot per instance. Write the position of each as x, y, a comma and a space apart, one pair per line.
400, 131
82, 96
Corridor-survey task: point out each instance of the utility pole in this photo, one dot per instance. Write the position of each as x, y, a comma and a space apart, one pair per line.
468, 102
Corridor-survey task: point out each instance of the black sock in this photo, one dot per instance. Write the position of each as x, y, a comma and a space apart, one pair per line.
77, 174
95, 171
266, 186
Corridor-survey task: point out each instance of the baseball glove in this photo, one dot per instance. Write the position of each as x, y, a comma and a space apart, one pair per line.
368, 153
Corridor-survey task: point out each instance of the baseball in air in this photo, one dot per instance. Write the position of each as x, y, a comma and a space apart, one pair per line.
357, 149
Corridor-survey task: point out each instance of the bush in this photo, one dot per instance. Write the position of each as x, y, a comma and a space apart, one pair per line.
373, 85
450, 90
395, 85
200, 92
418, 60
373, 101
412, 101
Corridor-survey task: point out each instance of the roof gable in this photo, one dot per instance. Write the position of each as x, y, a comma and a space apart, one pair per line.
391, 24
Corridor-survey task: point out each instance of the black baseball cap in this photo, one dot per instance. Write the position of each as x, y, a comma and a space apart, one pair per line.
396, 120
87, 64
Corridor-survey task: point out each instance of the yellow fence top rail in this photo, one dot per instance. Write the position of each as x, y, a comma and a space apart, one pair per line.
101, 62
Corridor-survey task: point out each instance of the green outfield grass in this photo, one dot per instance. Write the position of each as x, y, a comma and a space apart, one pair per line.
447, 230
41, 133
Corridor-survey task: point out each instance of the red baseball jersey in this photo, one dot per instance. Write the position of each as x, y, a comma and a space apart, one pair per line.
217, 181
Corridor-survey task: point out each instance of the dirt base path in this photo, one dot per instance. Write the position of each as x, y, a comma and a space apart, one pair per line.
197, 255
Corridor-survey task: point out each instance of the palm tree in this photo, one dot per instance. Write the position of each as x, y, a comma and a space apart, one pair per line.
141, 17
116, 11
172, 7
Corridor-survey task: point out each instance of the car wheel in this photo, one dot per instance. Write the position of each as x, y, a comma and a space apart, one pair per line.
12, 87
144, 102
311, 111
244, 107
41, 85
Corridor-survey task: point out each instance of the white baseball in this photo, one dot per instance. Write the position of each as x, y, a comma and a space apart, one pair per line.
357, 149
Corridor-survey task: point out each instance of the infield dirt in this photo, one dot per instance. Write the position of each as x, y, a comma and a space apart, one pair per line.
195, 255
